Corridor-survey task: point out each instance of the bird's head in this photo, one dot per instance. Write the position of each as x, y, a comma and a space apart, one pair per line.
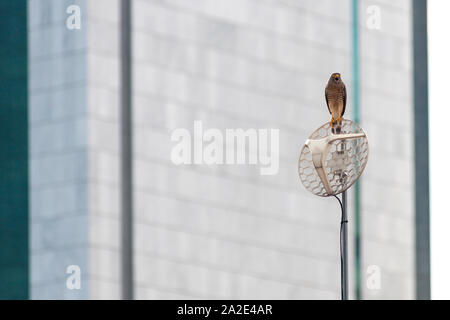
335, 78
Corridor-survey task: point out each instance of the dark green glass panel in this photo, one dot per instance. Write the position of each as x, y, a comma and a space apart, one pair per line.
13, 151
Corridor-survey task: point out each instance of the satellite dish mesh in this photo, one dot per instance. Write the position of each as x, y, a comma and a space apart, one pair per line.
331, 163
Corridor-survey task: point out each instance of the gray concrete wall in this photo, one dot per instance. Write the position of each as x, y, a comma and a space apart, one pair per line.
58, 150
74, 132
227, 232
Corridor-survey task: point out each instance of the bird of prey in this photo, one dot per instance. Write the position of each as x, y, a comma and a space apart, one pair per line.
336, 96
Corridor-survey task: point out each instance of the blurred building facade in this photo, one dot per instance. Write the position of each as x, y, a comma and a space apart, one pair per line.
215, 231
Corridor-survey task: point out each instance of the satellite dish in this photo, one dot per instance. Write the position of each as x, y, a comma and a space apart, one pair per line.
331, 163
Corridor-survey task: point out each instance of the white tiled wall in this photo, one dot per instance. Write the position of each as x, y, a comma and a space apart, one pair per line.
214, 231
387, 204
227, 232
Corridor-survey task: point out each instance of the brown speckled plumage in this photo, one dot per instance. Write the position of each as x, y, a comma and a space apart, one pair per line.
336, 97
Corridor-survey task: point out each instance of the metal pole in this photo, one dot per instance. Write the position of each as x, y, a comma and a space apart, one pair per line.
344, 275
126, 152
356, 198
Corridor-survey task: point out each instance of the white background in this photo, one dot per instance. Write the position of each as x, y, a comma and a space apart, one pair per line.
439, 79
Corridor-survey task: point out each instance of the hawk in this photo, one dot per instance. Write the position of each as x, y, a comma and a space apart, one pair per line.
336, 97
